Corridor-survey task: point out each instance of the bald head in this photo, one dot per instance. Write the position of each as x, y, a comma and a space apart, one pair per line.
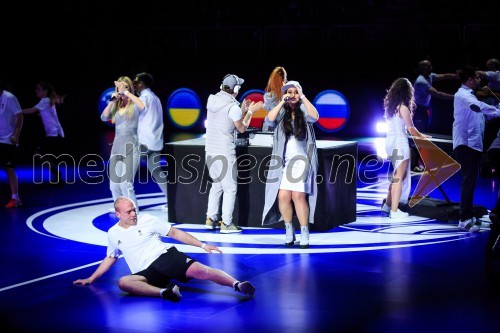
424, 67
120, 201
493, 65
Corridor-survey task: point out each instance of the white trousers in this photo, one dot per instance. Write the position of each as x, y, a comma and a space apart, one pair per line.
223, 171
122, 171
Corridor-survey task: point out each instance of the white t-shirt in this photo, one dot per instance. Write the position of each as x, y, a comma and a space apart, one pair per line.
150, 130
49, 118
235, 113
9, 109
140, 244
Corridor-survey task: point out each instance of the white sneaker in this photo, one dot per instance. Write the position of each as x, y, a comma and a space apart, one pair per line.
229, 229
470, 225
397, 214
385, 208
164, 208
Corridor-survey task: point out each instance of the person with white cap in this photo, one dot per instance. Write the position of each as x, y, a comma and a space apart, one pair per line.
294, 149
224, 116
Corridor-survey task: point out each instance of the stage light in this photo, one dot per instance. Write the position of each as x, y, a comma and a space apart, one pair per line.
379, 144
381, 127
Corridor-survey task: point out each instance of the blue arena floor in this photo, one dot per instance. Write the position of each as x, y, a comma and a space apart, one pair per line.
372, 275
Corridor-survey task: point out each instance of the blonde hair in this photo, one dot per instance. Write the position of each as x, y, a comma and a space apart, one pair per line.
130, 106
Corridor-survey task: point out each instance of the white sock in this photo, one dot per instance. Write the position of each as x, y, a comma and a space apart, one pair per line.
235, 283
15, 196
161, 292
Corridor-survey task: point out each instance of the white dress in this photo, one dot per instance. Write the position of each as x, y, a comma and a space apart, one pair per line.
397, 148
296, 171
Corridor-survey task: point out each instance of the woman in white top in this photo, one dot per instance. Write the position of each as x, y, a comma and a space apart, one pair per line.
399, 104
52, 145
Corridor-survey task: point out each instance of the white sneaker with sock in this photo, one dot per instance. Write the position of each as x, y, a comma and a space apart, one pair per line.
384, 207
397, 214
304, 237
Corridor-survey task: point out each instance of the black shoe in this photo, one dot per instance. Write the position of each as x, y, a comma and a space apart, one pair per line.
494, 218
495, 250
172, 294
245, 287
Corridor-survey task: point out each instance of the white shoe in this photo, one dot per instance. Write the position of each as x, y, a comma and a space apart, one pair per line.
164, 208
385, 208
229, 229
397, 214
290, 234
304, 237
471, 225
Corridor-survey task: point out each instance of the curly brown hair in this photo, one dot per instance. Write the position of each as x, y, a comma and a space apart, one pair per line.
400, 93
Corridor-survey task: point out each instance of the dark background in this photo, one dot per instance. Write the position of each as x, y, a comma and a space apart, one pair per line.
355, 47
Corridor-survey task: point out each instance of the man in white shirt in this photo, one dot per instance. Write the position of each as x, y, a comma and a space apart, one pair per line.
468, 130
150, 129
154, 263
11, 122
490, 94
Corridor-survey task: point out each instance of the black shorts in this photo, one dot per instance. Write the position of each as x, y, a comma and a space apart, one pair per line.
8, 154
170, 265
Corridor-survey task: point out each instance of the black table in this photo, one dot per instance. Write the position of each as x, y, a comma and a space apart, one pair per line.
188, 182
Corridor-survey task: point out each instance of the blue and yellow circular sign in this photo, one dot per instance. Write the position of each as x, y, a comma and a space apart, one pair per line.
183, 108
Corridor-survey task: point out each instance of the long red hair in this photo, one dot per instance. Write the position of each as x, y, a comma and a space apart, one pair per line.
276, 81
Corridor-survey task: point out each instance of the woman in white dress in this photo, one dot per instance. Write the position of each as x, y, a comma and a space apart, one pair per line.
399, 104
294, 149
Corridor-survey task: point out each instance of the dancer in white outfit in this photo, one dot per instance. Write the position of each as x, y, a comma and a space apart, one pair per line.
398, 105
224, 117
